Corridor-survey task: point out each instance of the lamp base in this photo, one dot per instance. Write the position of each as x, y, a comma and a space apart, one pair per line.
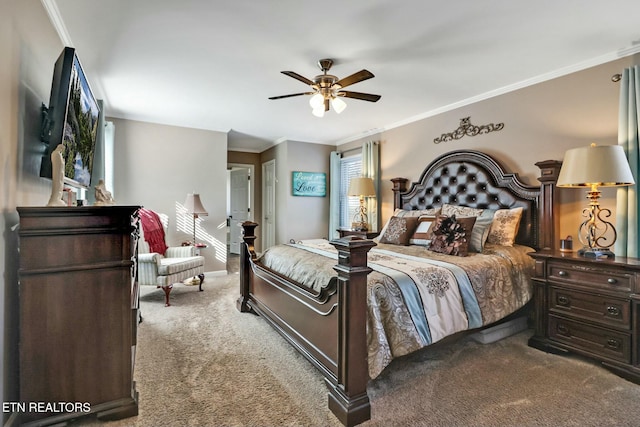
596, 253
359, 226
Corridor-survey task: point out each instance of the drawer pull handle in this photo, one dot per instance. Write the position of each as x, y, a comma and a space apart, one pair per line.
563, 300
613, 343
562, 273
611, 281
562, 329
613, 311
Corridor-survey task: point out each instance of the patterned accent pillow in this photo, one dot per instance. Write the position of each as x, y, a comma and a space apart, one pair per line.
505, 226
451, 235
460, 211
480, 231
407, 213
399, 230
421, 236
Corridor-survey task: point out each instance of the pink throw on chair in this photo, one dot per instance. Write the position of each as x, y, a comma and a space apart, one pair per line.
153, 231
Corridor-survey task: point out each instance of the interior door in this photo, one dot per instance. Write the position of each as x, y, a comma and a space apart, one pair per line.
268, 204
238, 206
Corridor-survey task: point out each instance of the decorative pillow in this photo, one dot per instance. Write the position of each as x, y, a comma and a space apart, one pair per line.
421, 236
480, 230
406, 213
505, 226
451, 235
460, 211
399, 230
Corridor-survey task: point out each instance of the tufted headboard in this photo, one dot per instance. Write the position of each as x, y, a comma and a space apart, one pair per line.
474, 179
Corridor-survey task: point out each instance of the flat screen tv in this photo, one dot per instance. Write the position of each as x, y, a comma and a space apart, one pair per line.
72, 120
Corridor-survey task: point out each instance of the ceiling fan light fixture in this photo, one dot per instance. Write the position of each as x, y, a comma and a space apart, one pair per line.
318, 111
317, 101
338, 104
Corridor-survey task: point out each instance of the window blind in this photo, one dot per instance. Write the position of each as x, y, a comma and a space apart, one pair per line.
350, 167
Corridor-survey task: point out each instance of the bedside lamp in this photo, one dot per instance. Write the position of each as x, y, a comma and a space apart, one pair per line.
194, 208
593, 167
361, 187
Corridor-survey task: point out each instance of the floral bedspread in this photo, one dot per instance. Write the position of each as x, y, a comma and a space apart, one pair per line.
415, 296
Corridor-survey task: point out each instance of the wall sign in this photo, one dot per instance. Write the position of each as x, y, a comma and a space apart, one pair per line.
312, 184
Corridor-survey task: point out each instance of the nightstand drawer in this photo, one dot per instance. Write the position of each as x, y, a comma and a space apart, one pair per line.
602, 309
590, 275
592, 339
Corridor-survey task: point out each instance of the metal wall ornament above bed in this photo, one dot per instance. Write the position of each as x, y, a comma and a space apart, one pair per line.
330, 328
467, 129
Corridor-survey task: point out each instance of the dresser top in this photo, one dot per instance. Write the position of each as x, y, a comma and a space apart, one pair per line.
574, 257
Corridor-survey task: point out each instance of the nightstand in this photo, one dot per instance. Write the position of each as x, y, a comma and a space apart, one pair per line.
364, 234
589, 307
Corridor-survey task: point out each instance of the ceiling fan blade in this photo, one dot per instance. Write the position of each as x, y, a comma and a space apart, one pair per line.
359, 95
290, 95
298, 77
355, 78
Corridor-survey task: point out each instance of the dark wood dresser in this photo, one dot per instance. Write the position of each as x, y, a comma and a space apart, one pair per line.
78, 312
590, 307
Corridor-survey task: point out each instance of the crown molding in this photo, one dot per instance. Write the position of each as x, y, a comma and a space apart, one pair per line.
622, 53
56, 20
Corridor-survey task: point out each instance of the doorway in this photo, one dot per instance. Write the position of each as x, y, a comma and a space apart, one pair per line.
268, 204
240, 193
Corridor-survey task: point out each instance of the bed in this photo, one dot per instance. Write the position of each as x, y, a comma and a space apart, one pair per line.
350, 307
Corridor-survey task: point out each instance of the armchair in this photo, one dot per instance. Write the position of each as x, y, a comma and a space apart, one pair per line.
161, 265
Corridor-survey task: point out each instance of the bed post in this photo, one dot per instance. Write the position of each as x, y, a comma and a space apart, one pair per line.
247, 253
549, 219
348, 398
399, 186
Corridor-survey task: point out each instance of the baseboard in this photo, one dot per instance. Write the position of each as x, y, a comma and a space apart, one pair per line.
13, 420
500, 331
215, 273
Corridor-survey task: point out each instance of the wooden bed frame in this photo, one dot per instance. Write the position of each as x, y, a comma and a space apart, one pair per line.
329, 327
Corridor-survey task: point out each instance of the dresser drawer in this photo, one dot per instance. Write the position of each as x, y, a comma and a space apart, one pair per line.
591, 275
592, 339
602, 309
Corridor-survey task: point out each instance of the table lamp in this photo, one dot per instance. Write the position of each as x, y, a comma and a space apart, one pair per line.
194, 207
361, 187
593, 167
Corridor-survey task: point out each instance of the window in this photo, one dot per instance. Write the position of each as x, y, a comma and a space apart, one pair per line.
350, 167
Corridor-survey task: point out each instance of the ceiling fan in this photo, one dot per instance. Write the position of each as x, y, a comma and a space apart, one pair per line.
327, 89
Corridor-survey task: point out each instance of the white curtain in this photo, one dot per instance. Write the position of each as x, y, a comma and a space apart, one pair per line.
334, 194
627, 206
371, 169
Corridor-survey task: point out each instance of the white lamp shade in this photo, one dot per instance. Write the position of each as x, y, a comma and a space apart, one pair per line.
316, 101
601, 165
318, 111
194, 205
338, 104
361, 187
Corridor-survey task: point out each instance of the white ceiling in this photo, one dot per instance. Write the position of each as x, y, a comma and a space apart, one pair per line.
212, 64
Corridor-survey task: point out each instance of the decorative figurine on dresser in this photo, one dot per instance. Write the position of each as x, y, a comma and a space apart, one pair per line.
78, 304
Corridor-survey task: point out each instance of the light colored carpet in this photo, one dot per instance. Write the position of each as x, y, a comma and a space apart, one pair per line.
202, 363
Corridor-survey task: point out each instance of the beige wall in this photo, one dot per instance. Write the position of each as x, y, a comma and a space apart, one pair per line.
540, 123
157, 165
29, 47
299, 217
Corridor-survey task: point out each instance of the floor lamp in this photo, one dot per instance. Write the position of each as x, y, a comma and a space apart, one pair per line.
194, 207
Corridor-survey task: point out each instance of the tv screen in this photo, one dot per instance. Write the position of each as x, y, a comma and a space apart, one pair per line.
72, 120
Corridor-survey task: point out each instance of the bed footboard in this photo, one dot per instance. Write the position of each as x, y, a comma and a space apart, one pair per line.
328, 328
